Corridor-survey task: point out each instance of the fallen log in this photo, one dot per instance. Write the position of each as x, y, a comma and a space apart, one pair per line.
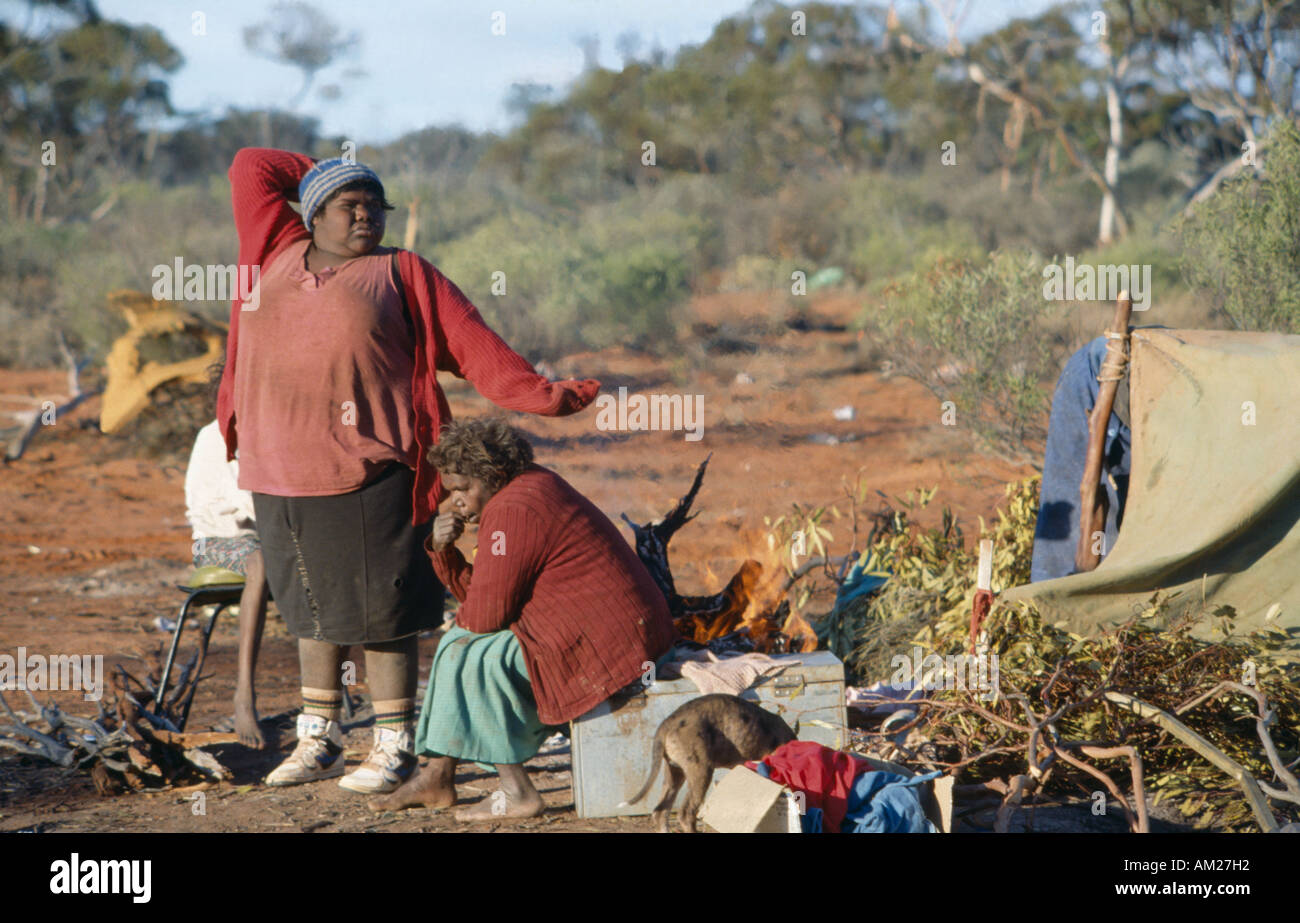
30, 422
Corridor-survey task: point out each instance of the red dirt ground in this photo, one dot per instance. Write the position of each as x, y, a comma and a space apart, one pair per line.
93, 538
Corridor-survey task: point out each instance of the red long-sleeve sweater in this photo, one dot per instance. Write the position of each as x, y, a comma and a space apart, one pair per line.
554, 569
450, 334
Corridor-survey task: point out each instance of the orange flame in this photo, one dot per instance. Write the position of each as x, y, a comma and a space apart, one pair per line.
752, 603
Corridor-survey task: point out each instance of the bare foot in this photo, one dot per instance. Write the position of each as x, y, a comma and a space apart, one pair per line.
429, 788
500, 805
250, 735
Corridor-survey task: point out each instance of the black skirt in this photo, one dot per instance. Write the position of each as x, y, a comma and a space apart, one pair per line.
350, 568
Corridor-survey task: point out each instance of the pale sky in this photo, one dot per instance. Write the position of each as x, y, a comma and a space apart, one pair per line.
434, 63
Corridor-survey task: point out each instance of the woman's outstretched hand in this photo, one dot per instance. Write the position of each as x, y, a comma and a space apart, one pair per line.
446, 529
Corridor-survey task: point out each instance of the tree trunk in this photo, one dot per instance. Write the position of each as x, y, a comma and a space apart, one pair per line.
412, 224
1115, 114
38, 203
151, 143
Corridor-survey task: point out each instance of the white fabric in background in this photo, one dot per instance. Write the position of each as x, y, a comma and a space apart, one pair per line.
214, 504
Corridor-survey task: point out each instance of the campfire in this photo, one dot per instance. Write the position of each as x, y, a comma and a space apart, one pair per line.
751, 613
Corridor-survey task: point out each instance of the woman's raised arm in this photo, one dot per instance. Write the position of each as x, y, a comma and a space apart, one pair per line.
263, 182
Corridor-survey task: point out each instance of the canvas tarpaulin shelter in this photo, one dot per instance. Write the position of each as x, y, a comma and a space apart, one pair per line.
1213, 508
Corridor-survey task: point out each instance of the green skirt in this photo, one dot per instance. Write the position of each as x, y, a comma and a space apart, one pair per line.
479, 703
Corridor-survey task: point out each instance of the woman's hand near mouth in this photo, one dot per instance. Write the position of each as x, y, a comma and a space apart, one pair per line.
446, 529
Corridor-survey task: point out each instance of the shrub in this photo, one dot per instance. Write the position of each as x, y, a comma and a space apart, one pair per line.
532, 252
610, 279
886, 227
1243, 244
628, 295
974, 333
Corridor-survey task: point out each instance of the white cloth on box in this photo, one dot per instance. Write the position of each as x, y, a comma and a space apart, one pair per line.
214, 504
732, 674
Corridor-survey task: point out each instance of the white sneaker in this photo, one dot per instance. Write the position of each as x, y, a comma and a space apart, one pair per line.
390, 763
319, 754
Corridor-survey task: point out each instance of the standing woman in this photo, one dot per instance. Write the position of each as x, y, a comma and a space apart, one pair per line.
331, 396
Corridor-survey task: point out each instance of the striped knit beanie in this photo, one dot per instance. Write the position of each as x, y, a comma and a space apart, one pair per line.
324, 178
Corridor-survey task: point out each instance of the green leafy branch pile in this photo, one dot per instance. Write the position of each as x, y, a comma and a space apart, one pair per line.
931, 574
1047, 672
1061, 722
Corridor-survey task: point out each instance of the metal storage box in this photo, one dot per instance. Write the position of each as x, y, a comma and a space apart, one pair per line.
611, 743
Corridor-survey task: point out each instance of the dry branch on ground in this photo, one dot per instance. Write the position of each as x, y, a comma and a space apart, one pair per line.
133, 744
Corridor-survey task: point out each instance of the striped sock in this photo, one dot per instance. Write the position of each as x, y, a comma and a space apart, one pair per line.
325, 703
398, 714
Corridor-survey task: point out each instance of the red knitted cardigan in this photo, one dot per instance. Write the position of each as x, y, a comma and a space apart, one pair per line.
552, 568
450, 334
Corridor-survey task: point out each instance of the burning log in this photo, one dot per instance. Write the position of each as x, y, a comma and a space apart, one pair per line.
750, 613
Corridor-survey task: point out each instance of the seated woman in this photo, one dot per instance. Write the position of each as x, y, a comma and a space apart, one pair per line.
560, 614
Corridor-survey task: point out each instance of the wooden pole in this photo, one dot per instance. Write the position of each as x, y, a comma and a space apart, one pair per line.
983, 600
1093, 504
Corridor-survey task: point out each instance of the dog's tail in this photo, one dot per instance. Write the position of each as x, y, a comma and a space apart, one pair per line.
656, 758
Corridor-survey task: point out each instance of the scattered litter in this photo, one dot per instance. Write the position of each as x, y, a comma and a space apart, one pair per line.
844, 413
863, 578
900, 718
743, 378
830, 275
832, 439
556, 743
32, 549
881, 698
745, 802
164, 624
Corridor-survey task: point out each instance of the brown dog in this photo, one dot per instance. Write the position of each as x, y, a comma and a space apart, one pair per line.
708, 733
